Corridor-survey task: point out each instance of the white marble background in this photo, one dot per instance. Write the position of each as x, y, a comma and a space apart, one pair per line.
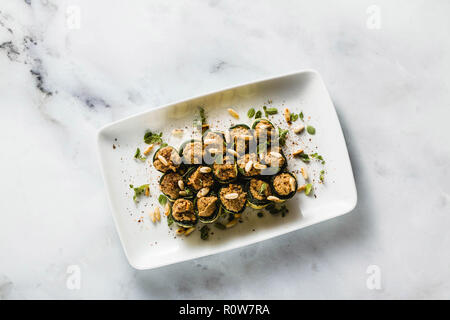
60, 81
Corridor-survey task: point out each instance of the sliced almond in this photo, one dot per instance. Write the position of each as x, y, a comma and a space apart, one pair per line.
167, 209
248, 166
232, 223
205, 169
259, 166
189, 231
177, 132
274, 199
287, 115
234, 153
297, 153
163, 160
299, 129
233, 113
213, 150
209, 141
182, 193
157, 214
264, 126
181, 184
180, 231
301, 188
304, 173
152, 216
231, 196
227, 137
275, 154
292, 184
203, 192
149, 149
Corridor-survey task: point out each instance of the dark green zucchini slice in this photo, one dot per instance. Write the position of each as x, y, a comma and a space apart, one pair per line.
207, 208
213, 145
195, 180
171, 157
275, 160
225, 172
242, 161
257, 192
263, 135
183, 213
284, 185
169, 185
191, 157
241, 145
234, 206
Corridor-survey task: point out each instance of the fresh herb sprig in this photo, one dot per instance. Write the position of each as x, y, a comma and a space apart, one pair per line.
138, 155
151, 137
138, 191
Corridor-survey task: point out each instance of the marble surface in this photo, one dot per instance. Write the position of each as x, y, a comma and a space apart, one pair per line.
69, 67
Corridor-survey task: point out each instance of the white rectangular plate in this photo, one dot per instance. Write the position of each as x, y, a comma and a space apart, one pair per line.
149, 245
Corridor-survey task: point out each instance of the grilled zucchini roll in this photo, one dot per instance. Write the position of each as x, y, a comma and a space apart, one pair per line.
233, 198
183, 213
207, 208
213, 145
284, 185
241, 138
191, 152
249, 166
257, 192
199, 177
169, 185
166, 159
264, 129
225, 172
274, 159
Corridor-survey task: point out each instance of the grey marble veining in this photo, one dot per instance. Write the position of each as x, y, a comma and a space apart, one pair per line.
69, 67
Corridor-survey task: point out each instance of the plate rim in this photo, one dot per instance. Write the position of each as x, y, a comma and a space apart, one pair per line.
353, 201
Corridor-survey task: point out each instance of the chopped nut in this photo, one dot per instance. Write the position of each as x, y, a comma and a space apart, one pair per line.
292, 184
205, 126
163, 160
299, 129
147, 191
233, 113
227, 137
297, 153
274, 199
234, 153
209, 141
259, 166
203, 192
238, 215
213, 150
205, 169
231, 196
180, 231
275, 154
181, 184
177, 132
149, 149
232, 223
248, 166
157, 214
152, 216
287, 115
182, 193
304, 173
167, 209
301, 188
189, 231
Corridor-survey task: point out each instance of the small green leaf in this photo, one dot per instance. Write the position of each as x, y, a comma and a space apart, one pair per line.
294, 117
169, 220
301, 115
263, 188
138, 191
162, 199
283, 136
138, 155
308, 188
271, 111
150, 137
322, 175
204, 233
258, 114
311, 129
251, 113
304, 157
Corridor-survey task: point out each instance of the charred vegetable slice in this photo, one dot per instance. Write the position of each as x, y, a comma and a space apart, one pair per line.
169, 185
263, 130
284, 185
191, 152
183, 213
241, 138
246, 165
257, 192
274, 159
166, 159
225, 172
197, 178
233, 198
207, 208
